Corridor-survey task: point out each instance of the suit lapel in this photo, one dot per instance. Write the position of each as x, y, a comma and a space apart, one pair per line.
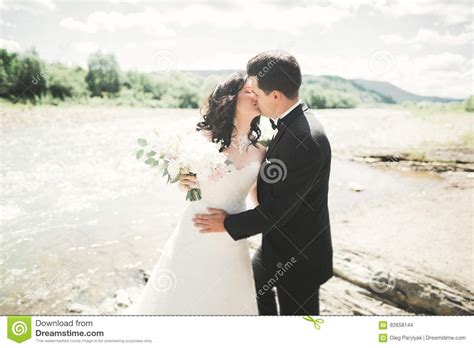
272, 146
287, 121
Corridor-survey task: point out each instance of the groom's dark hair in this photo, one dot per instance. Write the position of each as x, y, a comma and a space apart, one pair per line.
276, 70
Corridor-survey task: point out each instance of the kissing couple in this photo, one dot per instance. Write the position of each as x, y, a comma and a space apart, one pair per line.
279, 192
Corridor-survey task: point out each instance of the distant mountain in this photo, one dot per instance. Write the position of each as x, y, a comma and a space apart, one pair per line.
397, 94
342, 86
365, 91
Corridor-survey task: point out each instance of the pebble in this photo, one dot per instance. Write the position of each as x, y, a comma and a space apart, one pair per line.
353, 186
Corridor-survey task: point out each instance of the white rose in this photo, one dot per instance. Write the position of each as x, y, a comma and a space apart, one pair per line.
173, 169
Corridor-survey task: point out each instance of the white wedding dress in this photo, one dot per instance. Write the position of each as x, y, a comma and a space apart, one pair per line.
205, 273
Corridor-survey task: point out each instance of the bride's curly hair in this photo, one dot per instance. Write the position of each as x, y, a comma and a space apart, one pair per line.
219, 113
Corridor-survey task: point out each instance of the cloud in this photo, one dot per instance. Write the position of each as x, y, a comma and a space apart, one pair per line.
16, 5
85, 47
293, 19
162, 21
72, 24
50, 4
225, 34
443, 74
148, 21
430, 37
449, 12
10, 45
445, 61
124, 1
393, 39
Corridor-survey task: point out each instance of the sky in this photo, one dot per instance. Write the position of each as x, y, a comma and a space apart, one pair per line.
423, 46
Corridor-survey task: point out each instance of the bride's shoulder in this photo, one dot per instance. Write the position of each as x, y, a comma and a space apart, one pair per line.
206, 134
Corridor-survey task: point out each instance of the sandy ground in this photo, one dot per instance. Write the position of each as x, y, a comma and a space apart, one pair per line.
430, 230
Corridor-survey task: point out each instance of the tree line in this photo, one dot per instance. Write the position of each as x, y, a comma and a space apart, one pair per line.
26, 78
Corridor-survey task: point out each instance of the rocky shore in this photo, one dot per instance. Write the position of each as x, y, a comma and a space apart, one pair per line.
362, 285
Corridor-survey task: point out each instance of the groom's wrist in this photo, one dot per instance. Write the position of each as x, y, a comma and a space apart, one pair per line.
227, 225
224, 223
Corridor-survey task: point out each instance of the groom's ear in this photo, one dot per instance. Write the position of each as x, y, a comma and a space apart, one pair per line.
277, 95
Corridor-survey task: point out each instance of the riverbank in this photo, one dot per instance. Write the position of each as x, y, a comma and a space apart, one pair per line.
400, 198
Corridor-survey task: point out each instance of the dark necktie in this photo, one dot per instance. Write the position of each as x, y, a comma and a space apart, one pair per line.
277, 124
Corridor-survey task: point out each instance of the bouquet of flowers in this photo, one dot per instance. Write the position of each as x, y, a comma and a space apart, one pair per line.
183, 153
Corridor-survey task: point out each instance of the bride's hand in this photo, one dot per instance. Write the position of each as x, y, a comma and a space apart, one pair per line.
188, 182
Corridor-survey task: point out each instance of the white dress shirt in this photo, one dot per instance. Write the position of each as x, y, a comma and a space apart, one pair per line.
287, 112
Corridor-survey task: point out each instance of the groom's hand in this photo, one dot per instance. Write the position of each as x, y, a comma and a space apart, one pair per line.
212, 222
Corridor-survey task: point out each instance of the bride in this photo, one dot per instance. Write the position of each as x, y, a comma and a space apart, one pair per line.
211, 274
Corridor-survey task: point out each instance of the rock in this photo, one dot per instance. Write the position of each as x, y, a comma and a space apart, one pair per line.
144, 275
439, 161
363, 284
403, 286
78, 308
133, 293
107, 307
339, 297
355, 187
121, 298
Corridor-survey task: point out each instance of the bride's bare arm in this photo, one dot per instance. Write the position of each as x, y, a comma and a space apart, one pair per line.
253, 190
252, 196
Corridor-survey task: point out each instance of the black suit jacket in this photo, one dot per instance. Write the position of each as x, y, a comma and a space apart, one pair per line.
292, 190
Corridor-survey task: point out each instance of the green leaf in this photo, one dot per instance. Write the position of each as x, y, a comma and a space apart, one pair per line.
151, 153
174, 180
142, 142
194, 195
150, 161
139, 154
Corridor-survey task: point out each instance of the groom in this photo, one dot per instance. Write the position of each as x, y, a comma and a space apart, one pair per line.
295, 256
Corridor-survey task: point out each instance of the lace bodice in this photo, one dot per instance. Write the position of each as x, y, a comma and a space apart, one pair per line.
229, 192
